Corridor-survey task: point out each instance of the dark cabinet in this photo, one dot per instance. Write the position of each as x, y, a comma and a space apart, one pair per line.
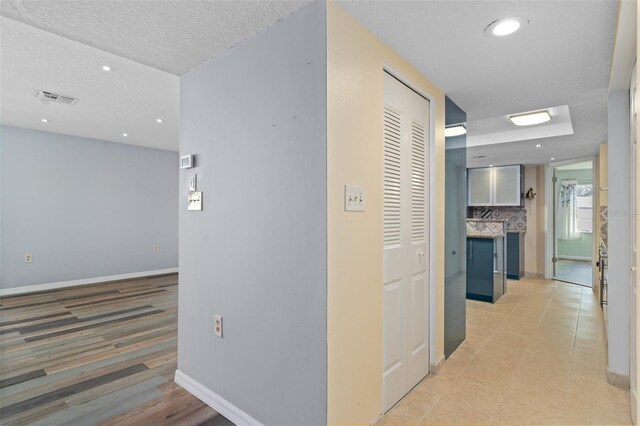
515, 255
485, 268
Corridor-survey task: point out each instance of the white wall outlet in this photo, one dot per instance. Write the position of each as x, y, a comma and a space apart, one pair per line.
217, 324
28, 258
354, 198
156, 249
193, 182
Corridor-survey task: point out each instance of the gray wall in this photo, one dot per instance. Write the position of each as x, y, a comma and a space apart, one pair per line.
84, 208
619, 289
255, 117
455, 286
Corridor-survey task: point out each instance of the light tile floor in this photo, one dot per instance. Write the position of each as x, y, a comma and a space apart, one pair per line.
537, 356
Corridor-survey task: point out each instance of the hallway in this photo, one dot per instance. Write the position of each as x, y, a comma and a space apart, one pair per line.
538, 356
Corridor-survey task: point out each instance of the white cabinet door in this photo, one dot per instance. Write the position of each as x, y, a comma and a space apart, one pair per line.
506, 186
405, 236
480, 187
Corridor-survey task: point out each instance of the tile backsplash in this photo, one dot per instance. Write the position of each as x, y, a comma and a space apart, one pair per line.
516, 217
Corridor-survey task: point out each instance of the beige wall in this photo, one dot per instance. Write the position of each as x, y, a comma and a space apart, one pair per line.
355, 61
534, 238
603, 174
543, 223
531, 236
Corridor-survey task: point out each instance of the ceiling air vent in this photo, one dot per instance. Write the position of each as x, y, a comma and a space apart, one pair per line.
56, 97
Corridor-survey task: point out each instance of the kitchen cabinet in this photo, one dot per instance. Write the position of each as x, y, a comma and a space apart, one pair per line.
496, 186
515, 255
486, 270
479, 184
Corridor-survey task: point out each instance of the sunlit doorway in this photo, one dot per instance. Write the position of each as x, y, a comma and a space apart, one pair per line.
573, 223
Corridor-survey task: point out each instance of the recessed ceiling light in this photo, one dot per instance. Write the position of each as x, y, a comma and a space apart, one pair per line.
530, 118
44, 120
158, 120
125, 135
106, 68
553, 158
490, 165
538, 146
505, 26
455, 130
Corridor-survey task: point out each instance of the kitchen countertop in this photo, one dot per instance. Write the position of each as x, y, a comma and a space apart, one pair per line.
469, 235
485, 228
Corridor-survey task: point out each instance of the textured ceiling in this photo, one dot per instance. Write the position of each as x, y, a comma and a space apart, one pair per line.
173, 36
561, 58
128, 99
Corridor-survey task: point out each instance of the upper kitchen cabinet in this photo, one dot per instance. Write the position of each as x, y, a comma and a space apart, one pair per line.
496, 186
480, 187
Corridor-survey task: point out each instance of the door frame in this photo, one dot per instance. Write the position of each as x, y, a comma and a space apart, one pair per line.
550, 219
431, 303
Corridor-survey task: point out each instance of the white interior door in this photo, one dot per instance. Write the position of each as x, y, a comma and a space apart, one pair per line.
405, 290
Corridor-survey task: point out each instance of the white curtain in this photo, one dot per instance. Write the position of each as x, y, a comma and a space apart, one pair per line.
568, 211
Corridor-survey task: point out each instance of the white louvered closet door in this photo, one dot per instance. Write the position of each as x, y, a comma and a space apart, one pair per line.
405, 239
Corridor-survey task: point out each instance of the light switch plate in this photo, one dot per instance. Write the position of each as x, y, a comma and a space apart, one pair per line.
195, 200
217, 324
354, 198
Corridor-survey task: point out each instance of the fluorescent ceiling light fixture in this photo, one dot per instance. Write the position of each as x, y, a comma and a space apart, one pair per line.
530, 118
505, 26
158, 120
44, 120
455, 130
106, 68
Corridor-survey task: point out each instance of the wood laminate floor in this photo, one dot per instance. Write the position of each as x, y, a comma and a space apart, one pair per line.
101, 354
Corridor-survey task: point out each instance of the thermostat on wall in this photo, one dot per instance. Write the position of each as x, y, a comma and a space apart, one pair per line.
186, 161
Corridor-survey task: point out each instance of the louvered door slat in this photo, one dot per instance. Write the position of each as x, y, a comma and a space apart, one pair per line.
417, 182
392, 177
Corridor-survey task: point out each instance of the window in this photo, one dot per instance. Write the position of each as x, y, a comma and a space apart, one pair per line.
584, 204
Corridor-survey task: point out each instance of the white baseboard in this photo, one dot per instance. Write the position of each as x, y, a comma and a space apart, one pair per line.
437, 366
377, 419
618, 380
535, 275
575, 257
215, 401
61, 284
634, 407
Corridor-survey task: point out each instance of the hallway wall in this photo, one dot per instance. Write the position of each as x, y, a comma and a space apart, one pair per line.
618, 223
356, 62
255, 117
